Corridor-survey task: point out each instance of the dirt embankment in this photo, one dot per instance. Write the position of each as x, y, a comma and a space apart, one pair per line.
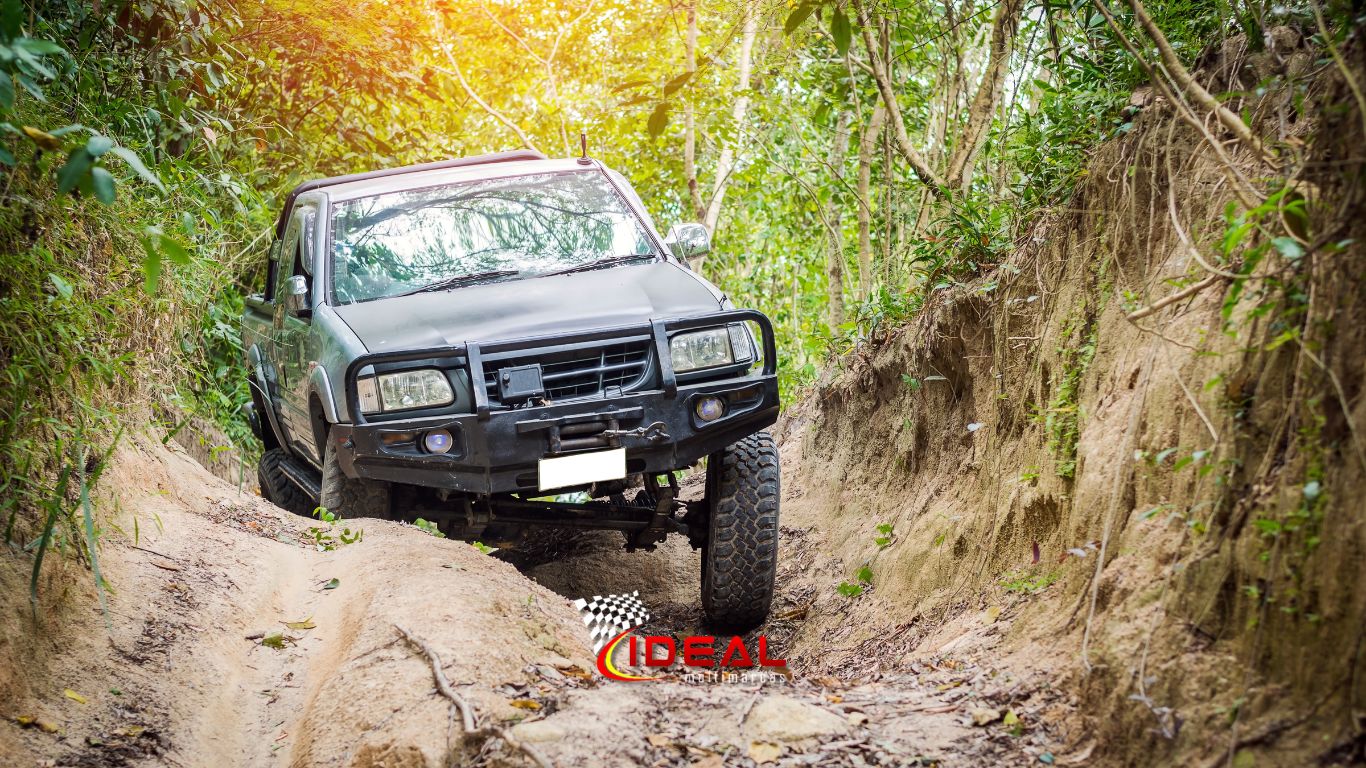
1035, 425
231, 640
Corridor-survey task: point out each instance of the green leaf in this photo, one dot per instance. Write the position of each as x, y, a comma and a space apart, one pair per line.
659, 119
332, 584
6, 91
98, 145
38, 47
62, 286
174, 251
799, 14
6, 157
33, 88
76, 168
135, 162
1289, 248
103, 183
151, 269
676, 83
865, 575
849, 590
840, 31
11, 19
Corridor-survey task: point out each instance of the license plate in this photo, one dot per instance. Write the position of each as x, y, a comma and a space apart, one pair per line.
565, 471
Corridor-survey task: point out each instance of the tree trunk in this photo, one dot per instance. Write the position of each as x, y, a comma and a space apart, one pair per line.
866, 146
974, 134
834, 253
689, 123
884, 85
725, 165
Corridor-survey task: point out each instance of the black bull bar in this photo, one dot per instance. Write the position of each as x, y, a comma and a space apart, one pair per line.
659, 331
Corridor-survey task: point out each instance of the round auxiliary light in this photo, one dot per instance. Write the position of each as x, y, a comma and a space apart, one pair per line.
710, 408
437, 441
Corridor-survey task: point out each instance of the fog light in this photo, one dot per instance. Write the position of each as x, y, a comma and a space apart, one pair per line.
710, 408
437, 441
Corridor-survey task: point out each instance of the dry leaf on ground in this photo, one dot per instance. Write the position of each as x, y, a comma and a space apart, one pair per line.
764, 752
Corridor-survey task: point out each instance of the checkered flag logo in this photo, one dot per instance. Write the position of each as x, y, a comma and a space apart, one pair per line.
606, 617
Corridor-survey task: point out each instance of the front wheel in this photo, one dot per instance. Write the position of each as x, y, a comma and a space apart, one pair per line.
740, 553
350, 497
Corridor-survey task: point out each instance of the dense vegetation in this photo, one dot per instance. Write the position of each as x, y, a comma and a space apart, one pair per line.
852, 156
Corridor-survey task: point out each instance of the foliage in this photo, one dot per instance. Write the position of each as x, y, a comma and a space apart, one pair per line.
330, 538
427, 526
1027, 583
1062, 418
863, 578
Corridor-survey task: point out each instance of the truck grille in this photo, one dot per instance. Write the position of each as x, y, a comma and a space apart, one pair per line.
576, 373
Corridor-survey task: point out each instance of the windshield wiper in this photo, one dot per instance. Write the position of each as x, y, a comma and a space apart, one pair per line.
607, 261
459, 280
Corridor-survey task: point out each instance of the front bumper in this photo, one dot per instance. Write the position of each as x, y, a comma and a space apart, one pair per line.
497, 451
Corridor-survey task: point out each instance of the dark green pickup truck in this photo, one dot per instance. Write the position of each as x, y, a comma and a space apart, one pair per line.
505, 343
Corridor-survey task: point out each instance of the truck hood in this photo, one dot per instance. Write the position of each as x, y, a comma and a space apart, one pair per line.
537, 306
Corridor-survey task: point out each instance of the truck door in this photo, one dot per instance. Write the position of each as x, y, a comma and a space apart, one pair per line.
292, 331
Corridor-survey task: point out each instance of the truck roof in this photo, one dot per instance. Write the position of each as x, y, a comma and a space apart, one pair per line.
406, 177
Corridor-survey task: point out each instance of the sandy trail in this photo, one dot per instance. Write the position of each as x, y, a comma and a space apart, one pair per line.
172, 678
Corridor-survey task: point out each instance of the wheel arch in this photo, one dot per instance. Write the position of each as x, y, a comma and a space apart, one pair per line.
272, 436
322, 408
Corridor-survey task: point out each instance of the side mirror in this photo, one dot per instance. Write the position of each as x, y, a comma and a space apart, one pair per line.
296, 295
688, 241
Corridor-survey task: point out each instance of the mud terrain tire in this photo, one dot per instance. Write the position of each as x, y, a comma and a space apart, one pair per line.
350, 497
279, 489
740, 556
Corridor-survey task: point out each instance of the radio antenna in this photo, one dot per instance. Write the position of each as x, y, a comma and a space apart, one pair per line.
583, 149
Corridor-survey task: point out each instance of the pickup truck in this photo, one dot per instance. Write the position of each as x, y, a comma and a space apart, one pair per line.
503, 344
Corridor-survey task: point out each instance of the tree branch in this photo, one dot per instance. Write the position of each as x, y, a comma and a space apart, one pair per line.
884, 86
467, 721
1227, 117
1003, 31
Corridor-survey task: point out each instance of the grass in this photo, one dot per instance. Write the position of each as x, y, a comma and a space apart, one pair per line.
1062, 418
1023, 583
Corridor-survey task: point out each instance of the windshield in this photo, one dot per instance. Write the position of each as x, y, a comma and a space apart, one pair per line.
498, 229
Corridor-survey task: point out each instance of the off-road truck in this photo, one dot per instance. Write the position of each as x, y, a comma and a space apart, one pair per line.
504, 344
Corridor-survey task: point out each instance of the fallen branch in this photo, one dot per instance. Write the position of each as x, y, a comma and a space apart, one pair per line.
467, 719
1184, 293
443, 686
526, 749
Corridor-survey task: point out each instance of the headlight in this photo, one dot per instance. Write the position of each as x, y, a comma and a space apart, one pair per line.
701, 349
423, 388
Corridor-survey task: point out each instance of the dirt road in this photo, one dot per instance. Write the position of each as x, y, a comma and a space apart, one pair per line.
195, 664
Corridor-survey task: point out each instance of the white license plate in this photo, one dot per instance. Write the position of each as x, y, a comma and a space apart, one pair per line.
565, 471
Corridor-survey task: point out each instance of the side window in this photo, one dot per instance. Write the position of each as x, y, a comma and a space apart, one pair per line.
289, 254
303, 252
